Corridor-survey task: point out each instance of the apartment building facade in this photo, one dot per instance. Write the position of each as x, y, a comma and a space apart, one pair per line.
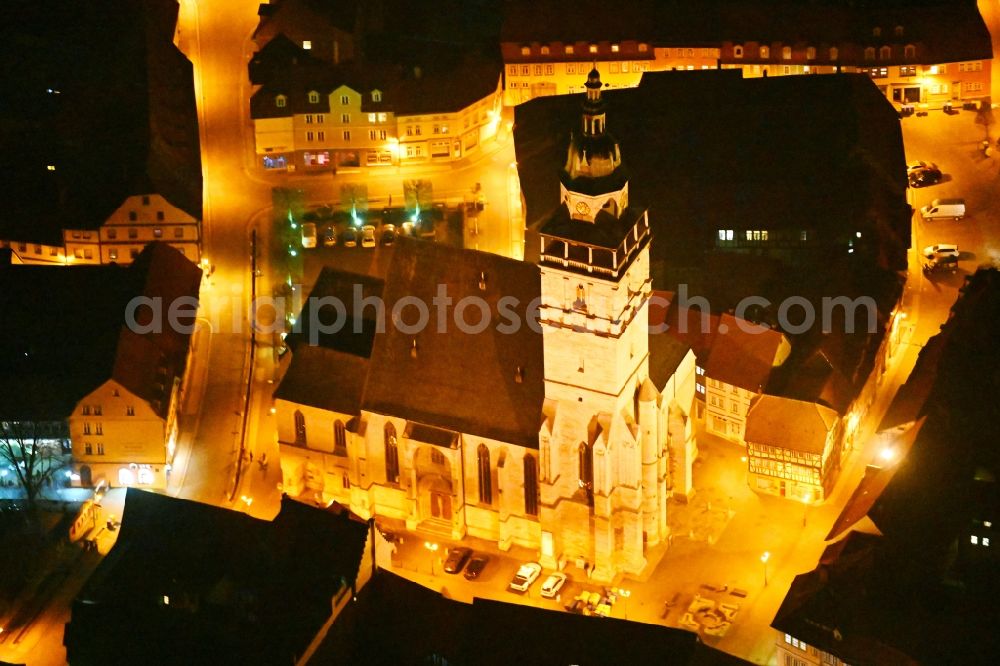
910, 54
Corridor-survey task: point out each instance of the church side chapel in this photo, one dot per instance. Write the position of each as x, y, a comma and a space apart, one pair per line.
563, 442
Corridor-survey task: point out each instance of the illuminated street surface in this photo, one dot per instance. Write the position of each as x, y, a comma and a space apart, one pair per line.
728, 526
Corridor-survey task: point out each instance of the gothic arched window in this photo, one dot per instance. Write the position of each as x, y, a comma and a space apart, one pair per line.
300, 428
339, 438
530, 486
391, 454
485, 478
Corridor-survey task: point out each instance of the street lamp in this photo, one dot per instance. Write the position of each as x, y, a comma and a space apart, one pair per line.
887, 454
625, 594
432, 547
764, 558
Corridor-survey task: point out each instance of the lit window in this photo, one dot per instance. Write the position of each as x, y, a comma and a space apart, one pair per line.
569, 49
381, 117
974, 539
545, 50
737, 51
810, 53
371, 117
306, 44
986, 541
376, 95
987, 523
765, 52
834, 53
615, 48
643, 47
592, 48
786, 53
280, 101
313, 97
525, 50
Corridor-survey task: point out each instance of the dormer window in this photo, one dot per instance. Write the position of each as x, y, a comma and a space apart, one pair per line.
898, 31
870, 53
569, 49
280, 101
786, 53
876, 32
545, 50
834, 53
313, 97
525, 50
615, 48
884, 53
643, 47
592, 48
910, 51
765, 52
737, 51
810, 53
376, 95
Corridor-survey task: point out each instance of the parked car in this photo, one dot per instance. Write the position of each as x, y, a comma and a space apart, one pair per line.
308, 235
475, 567
943, 208
525, 576
368, 236
350, 237
388, 234
922, 174
457, 557
552, 585
940, 250
329, 237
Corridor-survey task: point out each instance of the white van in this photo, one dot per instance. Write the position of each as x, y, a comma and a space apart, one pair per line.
939, 208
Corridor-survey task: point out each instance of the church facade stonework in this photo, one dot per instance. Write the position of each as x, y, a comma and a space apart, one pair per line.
590, 488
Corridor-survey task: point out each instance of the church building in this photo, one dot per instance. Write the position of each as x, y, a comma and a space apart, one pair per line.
567, 435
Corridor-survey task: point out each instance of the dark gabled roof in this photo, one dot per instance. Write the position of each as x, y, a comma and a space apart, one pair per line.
124, 121
453, 380
427, 627
557, 637
63, 332
423, 625
929, 501
814, 380
336, 289
203, 584
818, 136
461, 381
315, 14
665, 353
866, 604
325, 379
743, 354
426, 88
789, 424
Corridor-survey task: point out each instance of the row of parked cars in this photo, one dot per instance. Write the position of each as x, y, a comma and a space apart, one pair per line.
474, 564
350, 236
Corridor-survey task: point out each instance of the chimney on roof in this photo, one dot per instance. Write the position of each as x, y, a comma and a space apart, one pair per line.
482, 280
518, 375
417, 72
413, 349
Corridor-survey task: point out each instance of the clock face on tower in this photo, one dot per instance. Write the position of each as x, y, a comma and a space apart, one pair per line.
582, 208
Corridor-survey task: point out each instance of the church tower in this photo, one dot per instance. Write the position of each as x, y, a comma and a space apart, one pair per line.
595, 462
595, 273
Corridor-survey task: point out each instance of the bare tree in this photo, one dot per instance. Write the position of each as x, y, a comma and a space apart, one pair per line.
34, 453
984, 115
